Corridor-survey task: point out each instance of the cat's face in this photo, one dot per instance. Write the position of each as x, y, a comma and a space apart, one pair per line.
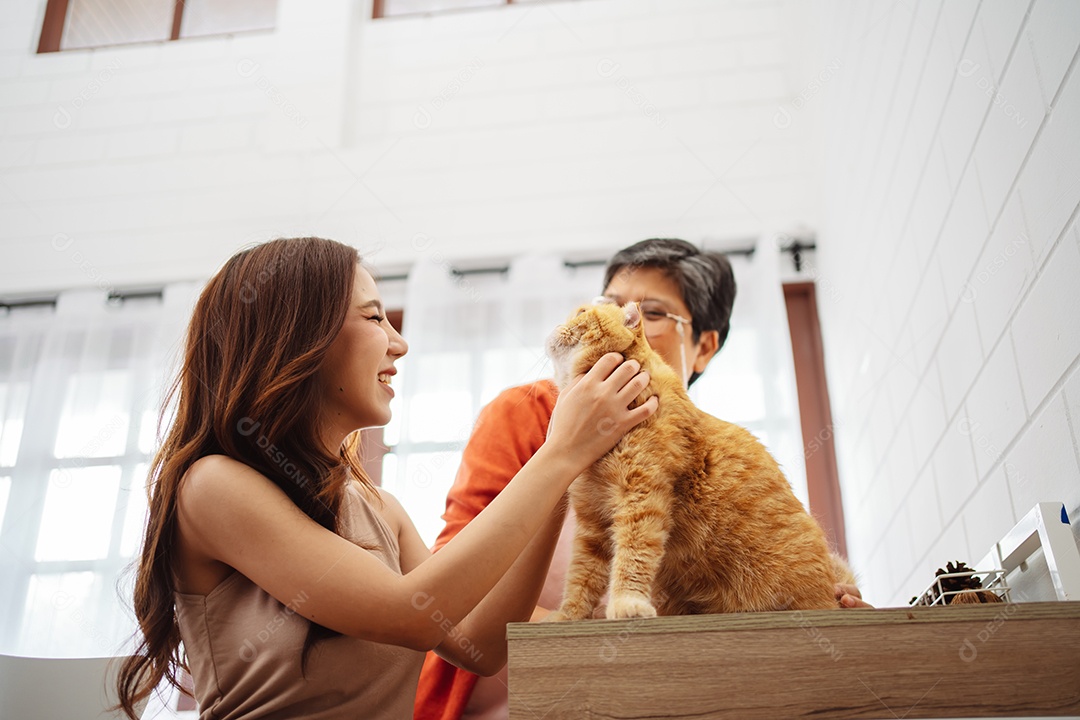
590, 333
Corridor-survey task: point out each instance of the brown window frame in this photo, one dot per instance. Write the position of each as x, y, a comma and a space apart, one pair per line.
815, 412
52, 28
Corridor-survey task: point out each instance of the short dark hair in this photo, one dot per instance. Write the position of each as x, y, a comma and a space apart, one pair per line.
705, 280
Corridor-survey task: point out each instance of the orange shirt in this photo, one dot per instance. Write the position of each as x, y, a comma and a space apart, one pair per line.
509, 431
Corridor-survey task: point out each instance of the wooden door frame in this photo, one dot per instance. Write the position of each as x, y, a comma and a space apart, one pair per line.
815, 412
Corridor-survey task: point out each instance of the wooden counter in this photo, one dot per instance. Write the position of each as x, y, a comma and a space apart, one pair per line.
1007, 660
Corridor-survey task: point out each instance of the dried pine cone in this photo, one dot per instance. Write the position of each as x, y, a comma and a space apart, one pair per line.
966, 589
955, 584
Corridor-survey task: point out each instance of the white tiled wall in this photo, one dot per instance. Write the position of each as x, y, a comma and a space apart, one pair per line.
574, 126
952, 177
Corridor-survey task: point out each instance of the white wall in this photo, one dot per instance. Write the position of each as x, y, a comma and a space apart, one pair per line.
574, 126
950, 259
153, 162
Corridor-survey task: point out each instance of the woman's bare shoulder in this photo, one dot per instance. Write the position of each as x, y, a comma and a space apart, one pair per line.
218, 487
389, 506
213, 466
220, 472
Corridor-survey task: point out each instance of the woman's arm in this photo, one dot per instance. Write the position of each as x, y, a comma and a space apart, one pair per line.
513, 599
478, 642
231, 514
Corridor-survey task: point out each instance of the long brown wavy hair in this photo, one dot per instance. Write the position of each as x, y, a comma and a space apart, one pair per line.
257, 337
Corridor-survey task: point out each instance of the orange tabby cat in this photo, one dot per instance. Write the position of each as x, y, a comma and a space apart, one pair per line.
687, 514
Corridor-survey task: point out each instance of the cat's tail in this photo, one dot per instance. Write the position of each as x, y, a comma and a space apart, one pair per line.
842, 572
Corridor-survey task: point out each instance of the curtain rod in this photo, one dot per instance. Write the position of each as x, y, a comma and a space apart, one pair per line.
157, 293
113, 296
572, 264
49, 301
796, 249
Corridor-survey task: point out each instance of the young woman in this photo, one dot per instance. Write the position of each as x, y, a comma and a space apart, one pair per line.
296, 587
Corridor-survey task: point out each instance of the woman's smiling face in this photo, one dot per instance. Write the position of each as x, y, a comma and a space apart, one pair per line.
355, 375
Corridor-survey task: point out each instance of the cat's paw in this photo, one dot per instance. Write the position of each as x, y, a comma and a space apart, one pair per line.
630, 606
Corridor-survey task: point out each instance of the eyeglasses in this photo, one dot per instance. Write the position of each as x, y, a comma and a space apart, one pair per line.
658, 321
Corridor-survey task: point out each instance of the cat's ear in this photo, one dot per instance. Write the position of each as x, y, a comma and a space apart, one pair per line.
631, 316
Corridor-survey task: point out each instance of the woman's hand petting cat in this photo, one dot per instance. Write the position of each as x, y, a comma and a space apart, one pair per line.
848, 596
592, 413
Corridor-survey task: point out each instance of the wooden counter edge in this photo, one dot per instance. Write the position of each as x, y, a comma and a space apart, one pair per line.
797, 618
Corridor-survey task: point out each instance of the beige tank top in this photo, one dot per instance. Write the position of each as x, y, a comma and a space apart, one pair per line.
244, 648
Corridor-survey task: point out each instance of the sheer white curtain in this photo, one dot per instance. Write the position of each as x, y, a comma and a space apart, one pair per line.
472, 336
81, 385
80, 390
751, 381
